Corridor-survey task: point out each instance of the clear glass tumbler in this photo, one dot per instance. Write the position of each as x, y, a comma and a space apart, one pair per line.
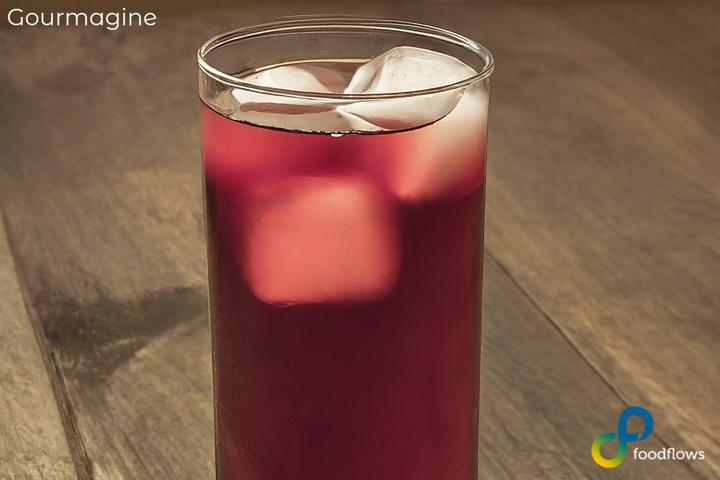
344, 176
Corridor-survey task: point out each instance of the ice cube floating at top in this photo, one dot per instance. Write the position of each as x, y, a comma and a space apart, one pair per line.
319, 219
459, 114
401, 69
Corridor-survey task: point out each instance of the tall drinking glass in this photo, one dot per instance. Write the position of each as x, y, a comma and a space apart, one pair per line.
344, 170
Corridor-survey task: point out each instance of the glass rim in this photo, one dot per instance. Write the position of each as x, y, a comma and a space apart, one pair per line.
329, 23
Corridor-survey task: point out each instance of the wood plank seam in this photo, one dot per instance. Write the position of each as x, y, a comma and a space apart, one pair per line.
81, 461
592, 367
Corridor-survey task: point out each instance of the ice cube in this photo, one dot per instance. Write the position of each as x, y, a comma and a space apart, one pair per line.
319, 240
406, 69
334, 80
445, 159
291, 113
294, 77
304, 77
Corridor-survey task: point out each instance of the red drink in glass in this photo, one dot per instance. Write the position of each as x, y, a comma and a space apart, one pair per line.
345, 278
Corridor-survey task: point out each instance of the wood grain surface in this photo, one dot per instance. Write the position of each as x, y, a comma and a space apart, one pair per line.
32, 439
605, 201
603, 238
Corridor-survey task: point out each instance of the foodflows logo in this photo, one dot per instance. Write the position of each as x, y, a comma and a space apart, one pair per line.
623, 437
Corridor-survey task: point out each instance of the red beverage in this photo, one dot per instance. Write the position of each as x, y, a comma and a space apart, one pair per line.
345, 277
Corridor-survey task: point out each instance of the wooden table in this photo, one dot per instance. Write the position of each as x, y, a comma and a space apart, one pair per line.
602, 267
